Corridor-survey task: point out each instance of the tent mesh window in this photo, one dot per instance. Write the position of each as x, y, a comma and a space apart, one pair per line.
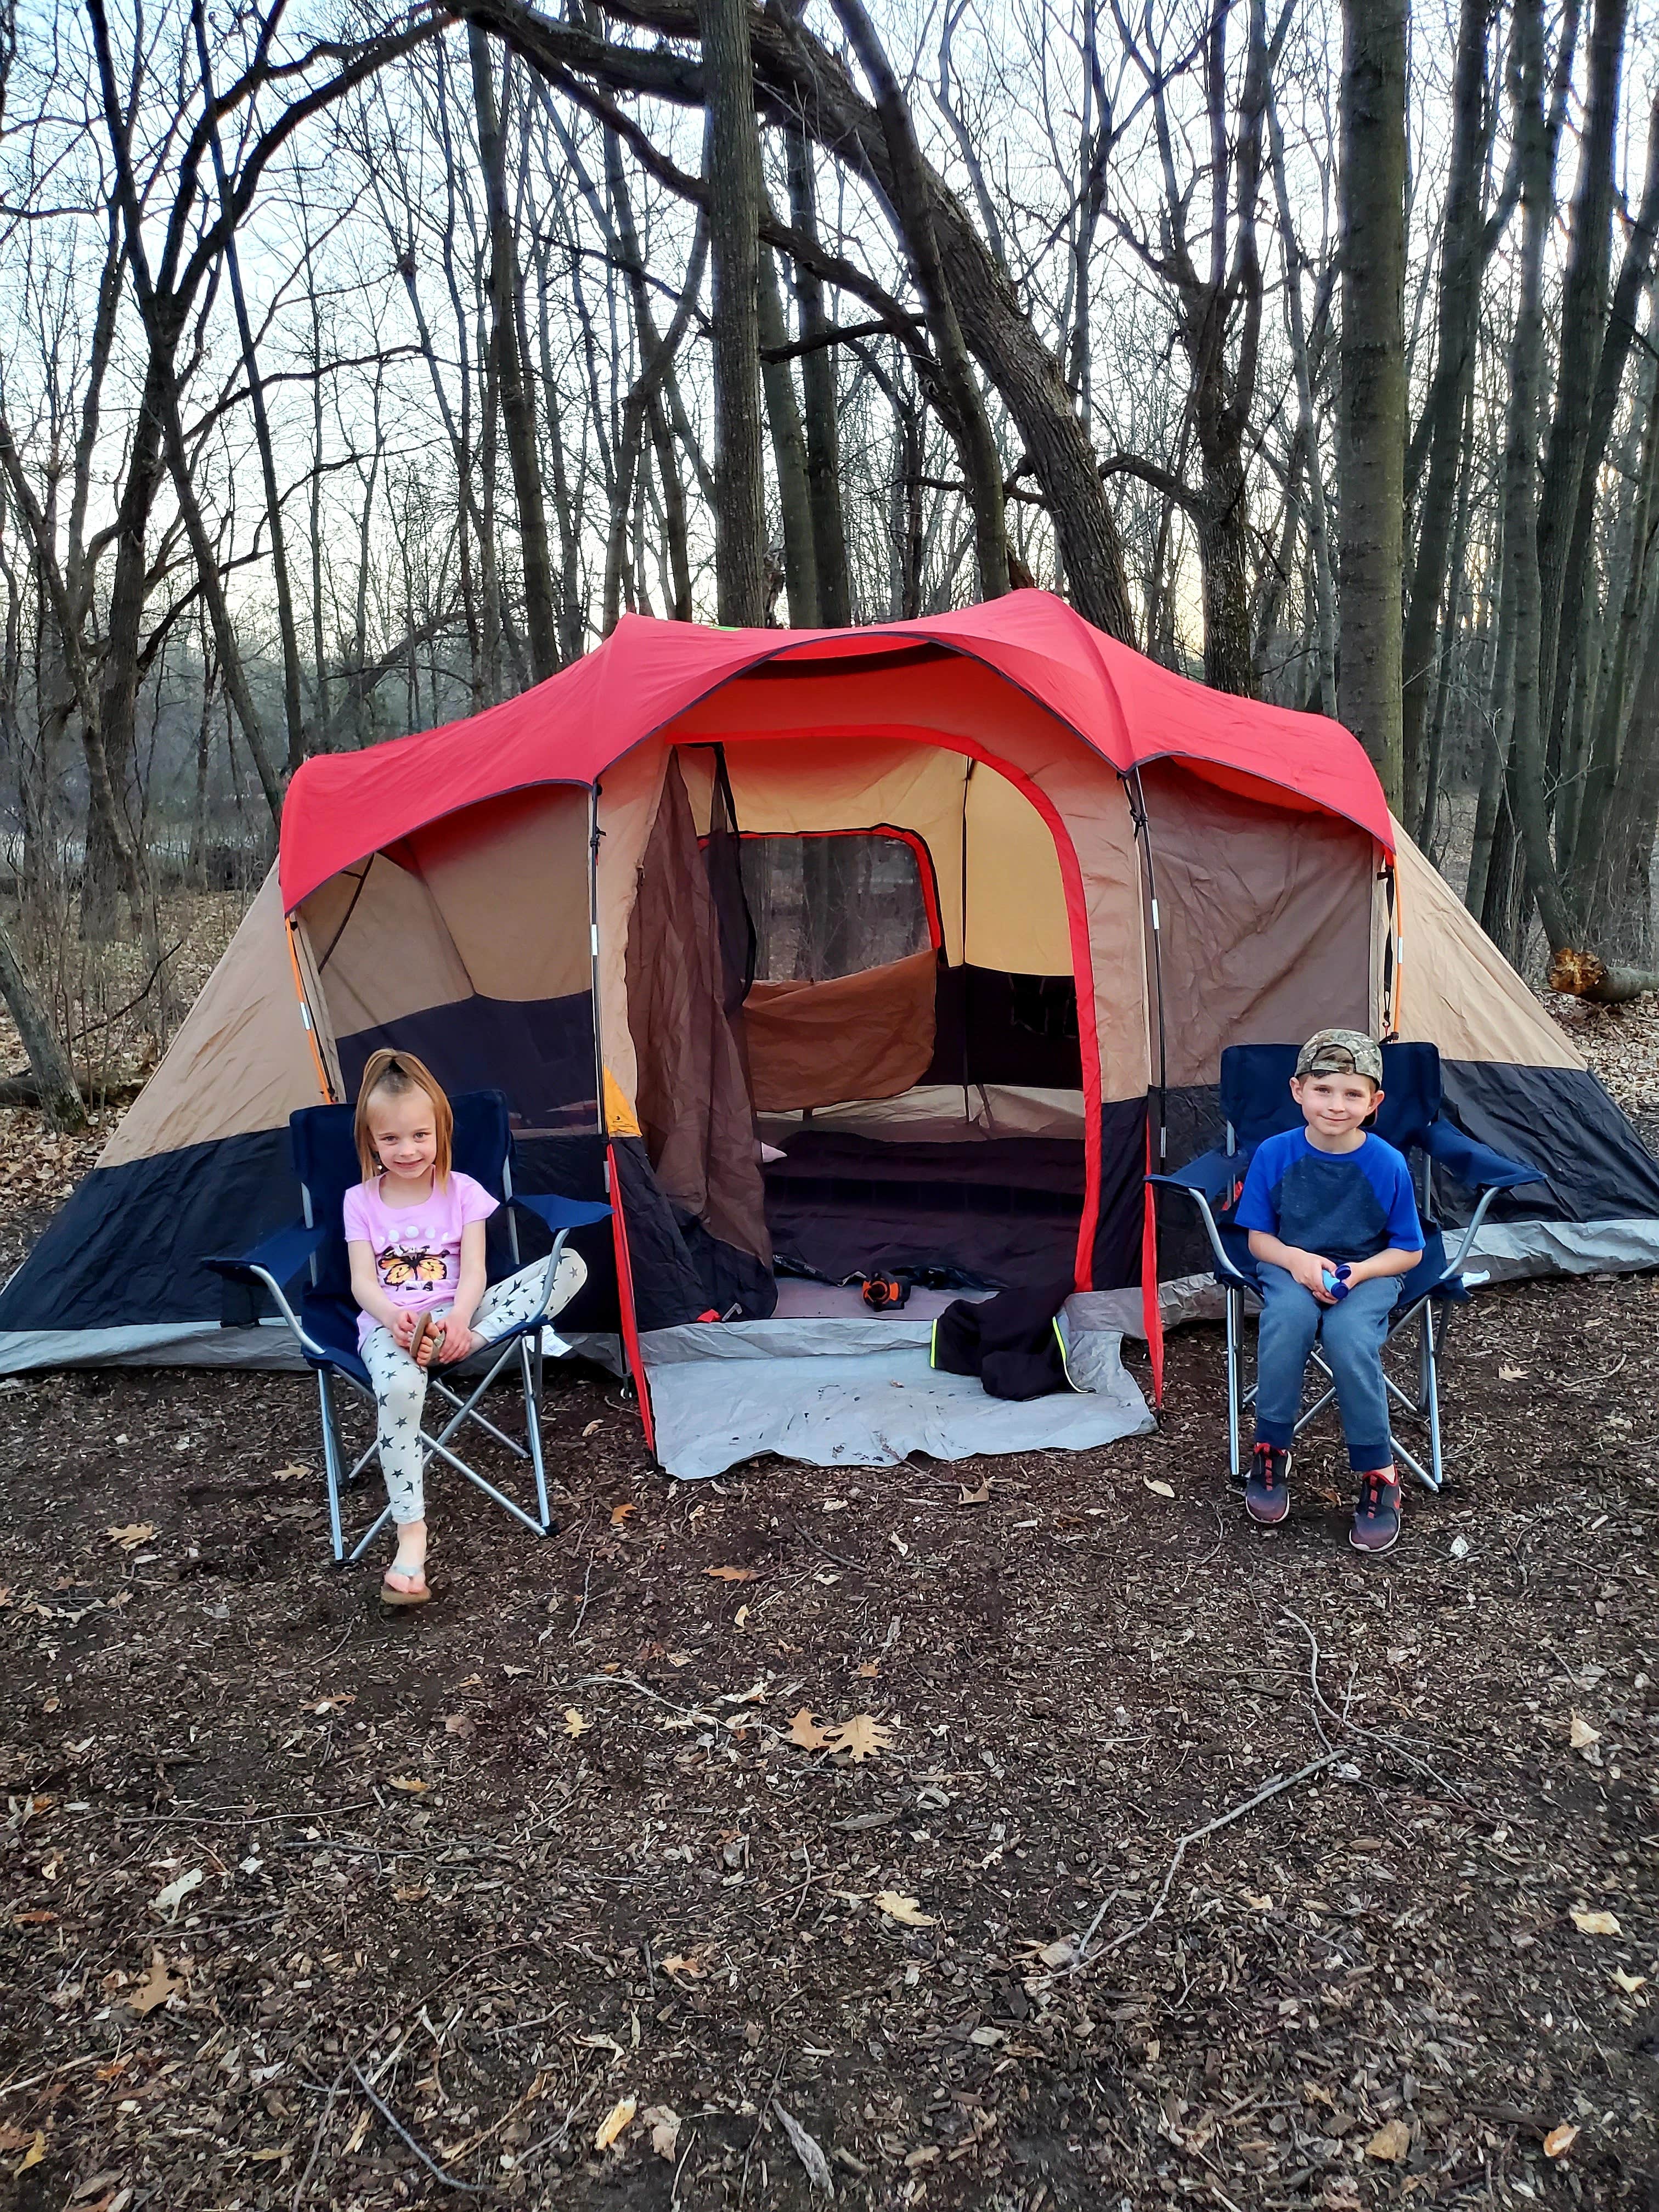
833, 905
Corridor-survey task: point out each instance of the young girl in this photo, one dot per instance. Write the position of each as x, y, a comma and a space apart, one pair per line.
415, 1229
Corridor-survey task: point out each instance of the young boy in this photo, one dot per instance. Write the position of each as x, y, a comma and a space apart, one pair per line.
1332, 1227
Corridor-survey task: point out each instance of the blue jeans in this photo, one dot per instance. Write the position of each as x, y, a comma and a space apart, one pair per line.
1353, 1332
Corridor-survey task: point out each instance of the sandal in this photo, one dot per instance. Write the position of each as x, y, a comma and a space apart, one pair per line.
404, 1586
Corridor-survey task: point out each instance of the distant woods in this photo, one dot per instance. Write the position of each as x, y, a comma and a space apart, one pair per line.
358, 370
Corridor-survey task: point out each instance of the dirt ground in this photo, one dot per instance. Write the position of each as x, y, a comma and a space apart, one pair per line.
305, 1905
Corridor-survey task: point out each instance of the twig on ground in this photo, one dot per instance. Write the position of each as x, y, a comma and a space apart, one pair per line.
851, 1565
317, 2141
1274, 1789
437, 2171
581, 1611
1375, 1735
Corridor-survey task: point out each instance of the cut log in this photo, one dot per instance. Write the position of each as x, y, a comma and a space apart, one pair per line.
1583, 976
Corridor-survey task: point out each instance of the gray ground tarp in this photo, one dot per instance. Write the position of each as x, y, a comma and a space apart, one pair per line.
860, 1393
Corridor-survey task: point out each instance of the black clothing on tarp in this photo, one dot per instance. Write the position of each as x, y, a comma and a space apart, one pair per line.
1014, 1342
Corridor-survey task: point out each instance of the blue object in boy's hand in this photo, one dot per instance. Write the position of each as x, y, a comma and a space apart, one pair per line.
1336, 1285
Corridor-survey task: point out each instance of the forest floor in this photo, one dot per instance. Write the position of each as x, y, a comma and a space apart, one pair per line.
305, 1905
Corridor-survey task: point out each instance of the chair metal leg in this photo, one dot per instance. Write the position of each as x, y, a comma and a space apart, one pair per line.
528, 1361
1234, 1320
330, 1464
1432, 1368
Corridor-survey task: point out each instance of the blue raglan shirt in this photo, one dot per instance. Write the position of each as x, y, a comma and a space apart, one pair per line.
1348, 1205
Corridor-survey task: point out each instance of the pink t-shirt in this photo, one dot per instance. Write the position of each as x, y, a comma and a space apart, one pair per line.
417, 1248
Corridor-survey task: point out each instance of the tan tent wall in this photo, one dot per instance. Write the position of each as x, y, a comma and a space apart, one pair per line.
1456, 989
242, 1060
492, 899
1265, 921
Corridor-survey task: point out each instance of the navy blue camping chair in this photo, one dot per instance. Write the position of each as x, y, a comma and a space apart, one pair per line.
312, 1254
1256, 1104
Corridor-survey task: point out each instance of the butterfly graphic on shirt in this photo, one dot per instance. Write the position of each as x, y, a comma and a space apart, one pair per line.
401, 1267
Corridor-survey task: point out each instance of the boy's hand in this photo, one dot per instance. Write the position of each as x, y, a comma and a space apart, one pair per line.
1310, 1269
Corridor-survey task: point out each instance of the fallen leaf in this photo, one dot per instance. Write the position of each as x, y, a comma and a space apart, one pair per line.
575, 1724
460, 1724
692, 1968
733, 1574
34, 2154
1582, 1735
740, 1617
39, 1918
1263, 1904
985, 2039
1629, 1983
807, 2149
510, 1672
1506, 1374
338, 1702
12, 2138
862, 1737
664, 2123
409, 1892
170, 1899
980, 1496
620, 1513
1157, 1489
804, 1731
592, 1427
1391, 2142
134, 1533
906, 1909
157, 1986
1062, 1952
410, 1785
355, 2140
293, 1474
679, 1658
618, 2117
900, 1546
1595, 1923
1559, 2140
869, 1669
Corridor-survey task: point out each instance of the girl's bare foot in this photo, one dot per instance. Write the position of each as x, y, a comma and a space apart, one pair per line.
404, 1586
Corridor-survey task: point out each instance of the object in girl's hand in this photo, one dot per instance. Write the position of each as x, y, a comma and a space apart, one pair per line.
426, 1329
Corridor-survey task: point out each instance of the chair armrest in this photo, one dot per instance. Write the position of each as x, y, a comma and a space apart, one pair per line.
1212, 1175
280, 1256
1475, 1165
1226, 1268
560, 1213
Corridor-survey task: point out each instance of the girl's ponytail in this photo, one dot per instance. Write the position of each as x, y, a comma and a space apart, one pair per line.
396, 1073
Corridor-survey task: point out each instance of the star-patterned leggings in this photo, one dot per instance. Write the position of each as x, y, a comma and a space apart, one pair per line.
400, 1383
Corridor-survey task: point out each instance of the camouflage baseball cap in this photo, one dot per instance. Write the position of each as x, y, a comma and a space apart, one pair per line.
1340, 1051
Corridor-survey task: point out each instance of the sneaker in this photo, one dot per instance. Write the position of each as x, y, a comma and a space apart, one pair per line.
1267, 1488
1377, 1512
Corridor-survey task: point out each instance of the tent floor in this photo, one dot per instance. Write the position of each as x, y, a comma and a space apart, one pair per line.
1000, 1210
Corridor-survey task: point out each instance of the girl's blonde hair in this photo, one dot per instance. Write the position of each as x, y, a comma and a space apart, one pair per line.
396, 1073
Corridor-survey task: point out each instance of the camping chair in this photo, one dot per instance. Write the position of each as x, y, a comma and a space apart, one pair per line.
325, 1324
1256, 1104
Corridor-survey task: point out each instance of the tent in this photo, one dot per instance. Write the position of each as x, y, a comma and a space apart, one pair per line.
904, 946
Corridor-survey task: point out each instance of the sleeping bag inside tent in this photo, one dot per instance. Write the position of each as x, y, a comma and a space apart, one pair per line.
825, 953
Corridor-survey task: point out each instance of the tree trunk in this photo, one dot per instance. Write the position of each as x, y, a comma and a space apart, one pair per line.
1462, 258
1584, 310
1318, 530
800, 567
1620, 334
913, 198
818, 378
59, 1097
1528, 797
808, 85
1373, 414
517, 398
733, 177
